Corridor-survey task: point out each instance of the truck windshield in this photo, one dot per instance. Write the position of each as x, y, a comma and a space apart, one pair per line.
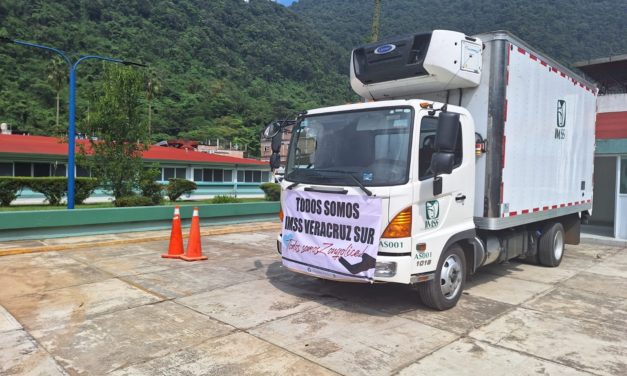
369, 147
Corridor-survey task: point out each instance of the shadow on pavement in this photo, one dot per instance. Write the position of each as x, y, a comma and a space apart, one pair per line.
381, 299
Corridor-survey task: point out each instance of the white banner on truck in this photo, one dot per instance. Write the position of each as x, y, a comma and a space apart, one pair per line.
333, 236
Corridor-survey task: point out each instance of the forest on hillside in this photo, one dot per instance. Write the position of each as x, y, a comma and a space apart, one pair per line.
218, 69
569, 30
225, 68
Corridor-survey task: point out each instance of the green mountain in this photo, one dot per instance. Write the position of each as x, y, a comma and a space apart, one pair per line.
222, 68
569, 30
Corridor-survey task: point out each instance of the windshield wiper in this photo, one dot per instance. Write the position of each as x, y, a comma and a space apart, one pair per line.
292, 175
320, 174
347, 174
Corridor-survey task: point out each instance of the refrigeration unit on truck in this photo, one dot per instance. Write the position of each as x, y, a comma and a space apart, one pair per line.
466, 151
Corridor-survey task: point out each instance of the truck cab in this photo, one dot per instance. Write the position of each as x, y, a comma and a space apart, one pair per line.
388, 147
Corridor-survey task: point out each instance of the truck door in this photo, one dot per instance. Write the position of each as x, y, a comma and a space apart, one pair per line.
437, 218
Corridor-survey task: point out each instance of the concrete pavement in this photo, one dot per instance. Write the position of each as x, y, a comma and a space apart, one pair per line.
120, 309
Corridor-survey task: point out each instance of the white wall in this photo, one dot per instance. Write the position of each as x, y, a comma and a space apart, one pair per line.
612, 103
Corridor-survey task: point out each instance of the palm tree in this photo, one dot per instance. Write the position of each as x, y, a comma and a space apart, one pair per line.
376, 21
152, 88
57, 77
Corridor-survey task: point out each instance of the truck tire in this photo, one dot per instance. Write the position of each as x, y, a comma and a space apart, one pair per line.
551, 245
446, 288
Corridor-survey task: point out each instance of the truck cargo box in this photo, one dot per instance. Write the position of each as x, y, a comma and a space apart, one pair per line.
538, 119
536, 116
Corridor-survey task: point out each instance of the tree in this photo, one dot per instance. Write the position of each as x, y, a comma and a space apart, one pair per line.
152, 88
376, 21
121, 132
57, 77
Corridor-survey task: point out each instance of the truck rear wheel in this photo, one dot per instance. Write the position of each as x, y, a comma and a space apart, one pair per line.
446, 288
551, 245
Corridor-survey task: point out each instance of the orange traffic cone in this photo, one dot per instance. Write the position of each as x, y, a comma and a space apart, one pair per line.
194, 250
175, 249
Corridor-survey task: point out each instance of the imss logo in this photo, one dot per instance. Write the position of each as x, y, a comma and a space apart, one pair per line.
560, 132
433, 214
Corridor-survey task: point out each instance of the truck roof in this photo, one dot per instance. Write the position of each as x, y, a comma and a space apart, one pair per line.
382, 104
506, 35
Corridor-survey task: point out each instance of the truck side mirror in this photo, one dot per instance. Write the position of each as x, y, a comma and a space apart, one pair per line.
275, 161
273, 131
441, 163
443, 159
447, 132
276, 142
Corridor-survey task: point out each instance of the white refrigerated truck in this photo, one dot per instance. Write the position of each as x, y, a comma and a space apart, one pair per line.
473, 150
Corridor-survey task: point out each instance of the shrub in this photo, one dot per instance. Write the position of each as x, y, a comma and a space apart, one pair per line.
179, 187
225, 199
127, 201
83, 188
272, 191
153, 191
54, 189
149, 187
9, 190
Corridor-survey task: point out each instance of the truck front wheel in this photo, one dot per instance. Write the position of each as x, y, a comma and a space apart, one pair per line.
551, 245
446, 288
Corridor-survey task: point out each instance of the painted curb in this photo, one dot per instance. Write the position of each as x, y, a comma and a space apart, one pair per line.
207, 232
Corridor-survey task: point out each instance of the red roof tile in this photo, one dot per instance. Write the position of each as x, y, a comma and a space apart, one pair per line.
18, 144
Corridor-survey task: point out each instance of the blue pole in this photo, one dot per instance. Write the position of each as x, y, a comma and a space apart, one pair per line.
72, 107
71, 140
71, 177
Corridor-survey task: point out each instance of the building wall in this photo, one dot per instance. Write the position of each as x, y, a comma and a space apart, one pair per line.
612, 103
610, 196
611, 116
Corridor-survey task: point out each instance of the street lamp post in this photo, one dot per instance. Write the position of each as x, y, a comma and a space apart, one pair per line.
72, 65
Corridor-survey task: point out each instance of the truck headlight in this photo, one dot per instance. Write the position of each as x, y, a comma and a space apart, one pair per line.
385, 269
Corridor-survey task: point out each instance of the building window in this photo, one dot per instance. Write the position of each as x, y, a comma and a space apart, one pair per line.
218, 175
58, 170
168, 173
6, 169
173, 173
252, 176
82, 172
428, 129
41, 170
23, 169
212, 175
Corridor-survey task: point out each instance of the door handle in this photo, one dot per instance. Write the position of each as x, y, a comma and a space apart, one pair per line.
460, 197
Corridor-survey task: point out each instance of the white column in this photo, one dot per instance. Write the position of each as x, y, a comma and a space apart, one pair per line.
620, 213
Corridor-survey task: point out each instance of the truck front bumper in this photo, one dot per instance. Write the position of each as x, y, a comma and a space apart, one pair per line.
394, 269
